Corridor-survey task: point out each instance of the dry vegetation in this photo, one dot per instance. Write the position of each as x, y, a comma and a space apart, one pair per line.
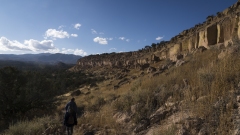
212, 83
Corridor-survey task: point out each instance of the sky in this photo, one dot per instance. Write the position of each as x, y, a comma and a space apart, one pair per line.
85, 27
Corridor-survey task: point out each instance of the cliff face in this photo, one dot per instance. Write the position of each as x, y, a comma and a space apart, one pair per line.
220, 29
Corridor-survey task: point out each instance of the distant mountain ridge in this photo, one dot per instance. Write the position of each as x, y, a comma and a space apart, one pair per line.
47, 58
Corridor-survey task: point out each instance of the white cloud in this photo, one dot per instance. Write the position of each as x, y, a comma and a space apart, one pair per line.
74, 35
122, 38
80, 52
28, 45
159, 38
56, 50
99, 40
77, 26
72, 51
32, 45
35, 45
8, 45
111, 49
53, 33
61, 26
94, 31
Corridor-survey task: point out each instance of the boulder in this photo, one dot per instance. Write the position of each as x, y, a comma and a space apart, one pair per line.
220, 46
144, 123
179, 63
156, 74
85, 91
176, 57
238, 98
123, 81
151, 69
201, 49
76, 93
203, 131
141, 74
185, 81
134, 108
182, 131
222, 54
160, 114
121, 118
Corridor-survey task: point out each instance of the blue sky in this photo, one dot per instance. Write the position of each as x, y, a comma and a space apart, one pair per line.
85, 27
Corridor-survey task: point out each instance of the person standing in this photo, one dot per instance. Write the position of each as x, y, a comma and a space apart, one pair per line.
70, 118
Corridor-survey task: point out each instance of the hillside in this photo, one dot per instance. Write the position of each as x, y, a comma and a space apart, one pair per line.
189, 85
46, 58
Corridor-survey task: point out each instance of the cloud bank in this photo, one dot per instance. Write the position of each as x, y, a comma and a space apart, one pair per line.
31, 45
28, 45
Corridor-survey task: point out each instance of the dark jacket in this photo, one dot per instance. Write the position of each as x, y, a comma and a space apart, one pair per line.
73, 104
66, 117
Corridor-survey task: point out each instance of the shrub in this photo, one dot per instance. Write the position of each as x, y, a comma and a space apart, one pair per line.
96, 104
33, 127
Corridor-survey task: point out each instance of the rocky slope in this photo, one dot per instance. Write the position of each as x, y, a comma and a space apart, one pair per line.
190, 108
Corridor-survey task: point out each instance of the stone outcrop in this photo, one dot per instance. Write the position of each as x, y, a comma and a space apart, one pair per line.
222, 28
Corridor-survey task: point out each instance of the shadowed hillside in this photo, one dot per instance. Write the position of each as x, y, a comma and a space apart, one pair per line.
45, 58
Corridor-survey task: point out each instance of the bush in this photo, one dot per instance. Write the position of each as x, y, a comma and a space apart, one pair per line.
34, 127
96, 104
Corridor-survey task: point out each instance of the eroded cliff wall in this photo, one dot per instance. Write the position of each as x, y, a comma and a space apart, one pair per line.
222, 28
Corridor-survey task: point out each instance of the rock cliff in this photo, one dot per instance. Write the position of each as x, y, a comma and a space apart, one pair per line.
224, 29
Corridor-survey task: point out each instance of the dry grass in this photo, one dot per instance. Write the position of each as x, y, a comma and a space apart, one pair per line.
34, 127
209, 79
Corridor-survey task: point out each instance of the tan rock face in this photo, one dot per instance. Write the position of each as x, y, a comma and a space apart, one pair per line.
227, 28
185, 44
202, 39
220, 38
176, 49
190, 44
163, 54
208, 36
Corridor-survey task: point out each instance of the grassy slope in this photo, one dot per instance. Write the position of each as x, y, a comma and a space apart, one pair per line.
208, 77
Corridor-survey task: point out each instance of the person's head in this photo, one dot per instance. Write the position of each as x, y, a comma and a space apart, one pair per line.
72, 99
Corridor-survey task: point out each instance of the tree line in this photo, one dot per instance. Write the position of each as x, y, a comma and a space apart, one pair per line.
22, 91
